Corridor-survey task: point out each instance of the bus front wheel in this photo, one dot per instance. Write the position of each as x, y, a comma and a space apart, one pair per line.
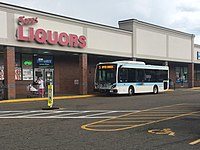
131, 91
155, 89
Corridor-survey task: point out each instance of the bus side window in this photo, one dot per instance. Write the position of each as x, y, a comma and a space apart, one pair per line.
131, 75
140, 75
123, 75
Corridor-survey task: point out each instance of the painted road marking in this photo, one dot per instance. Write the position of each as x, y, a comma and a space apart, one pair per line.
98, 114
166, 131
195, 142
103, 125
41, 114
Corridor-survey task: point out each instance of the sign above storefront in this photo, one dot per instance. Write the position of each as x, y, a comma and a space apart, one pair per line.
27, 21
43, 36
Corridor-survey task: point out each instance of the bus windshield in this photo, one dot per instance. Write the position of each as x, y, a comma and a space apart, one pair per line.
106, 73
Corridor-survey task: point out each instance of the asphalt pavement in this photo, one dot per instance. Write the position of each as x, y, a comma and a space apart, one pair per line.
165, 121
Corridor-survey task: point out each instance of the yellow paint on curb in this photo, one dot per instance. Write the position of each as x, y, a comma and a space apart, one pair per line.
44, 99
170, 90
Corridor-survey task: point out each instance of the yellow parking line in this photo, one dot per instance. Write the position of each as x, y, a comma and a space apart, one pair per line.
194, 142
110, 125
128, 121
151, 115
132, 118
86, 127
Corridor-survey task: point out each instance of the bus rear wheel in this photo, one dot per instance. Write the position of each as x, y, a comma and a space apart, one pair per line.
131, 91
155, 89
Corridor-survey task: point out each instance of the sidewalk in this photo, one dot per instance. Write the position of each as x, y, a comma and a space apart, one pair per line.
78, 96
183, 89
45, 99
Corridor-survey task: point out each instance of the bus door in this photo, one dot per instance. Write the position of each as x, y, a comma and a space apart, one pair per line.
122, 80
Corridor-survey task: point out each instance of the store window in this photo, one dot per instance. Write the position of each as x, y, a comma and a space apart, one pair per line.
18, 68
27, 66
181, 74
1, 66
197, 72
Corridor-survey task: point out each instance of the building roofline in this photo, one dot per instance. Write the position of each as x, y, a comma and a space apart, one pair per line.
155, 26
62, 16
197, 45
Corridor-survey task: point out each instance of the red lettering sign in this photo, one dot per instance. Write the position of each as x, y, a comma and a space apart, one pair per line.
51, 37
41, 36
27, 21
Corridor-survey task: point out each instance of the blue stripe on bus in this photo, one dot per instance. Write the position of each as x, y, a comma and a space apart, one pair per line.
140, 84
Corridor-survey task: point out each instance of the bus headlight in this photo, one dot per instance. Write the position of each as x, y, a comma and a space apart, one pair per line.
113, 86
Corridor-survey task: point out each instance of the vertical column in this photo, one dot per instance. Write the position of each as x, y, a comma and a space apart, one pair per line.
9, 70
83, 65
191, 75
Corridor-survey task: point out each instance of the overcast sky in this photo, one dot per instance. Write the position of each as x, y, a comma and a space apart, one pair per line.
182, 15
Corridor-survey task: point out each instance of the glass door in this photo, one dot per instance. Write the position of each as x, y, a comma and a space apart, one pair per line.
181, 75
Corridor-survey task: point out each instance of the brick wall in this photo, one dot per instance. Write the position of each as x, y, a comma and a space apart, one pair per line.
9, 70
83, 68
21, 88
66, 71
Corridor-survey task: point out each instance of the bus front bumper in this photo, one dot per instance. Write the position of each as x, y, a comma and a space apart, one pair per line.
106, 90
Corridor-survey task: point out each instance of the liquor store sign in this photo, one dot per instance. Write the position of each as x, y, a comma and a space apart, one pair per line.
43, 36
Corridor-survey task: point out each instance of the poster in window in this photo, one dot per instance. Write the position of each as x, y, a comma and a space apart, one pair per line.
27, 74
18, 73
27, 62
1, 72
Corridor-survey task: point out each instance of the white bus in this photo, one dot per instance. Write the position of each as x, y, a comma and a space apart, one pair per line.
130, 77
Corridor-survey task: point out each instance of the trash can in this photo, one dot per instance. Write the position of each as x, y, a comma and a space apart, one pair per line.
171, 84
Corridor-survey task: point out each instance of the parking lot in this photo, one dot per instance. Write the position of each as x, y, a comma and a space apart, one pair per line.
144, 121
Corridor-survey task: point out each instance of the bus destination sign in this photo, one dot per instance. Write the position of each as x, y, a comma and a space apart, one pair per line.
106, 67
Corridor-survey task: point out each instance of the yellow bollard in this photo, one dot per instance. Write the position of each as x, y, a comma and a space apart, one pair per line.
50, 96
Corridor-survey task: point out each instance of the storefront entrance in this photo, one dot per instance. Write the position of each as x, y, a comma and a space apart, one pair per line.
181, 75
46, 74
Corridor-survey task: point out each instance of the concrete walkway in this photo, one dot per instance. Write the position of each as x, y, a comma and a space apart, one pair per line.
78, 96
45, 99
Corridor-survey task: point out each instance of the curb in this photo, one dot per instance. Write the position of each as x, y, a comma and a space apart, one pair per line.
170, 90
44, 99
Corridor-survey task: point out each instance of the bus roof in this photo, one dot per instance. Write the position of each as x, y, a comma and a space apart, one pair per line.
146, 67
130, 62
136, 64
123, 62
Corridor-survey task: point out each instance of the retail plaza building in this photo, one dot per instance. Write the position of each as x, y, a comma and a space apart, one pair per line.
64, 51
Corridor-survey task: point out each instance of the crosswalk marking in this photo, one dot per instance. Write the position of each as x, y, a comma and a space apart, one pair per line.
100, 114
44, 114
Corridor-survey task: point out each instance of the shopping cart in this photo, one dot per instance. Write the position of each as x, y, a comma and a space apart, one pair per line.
32, 91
